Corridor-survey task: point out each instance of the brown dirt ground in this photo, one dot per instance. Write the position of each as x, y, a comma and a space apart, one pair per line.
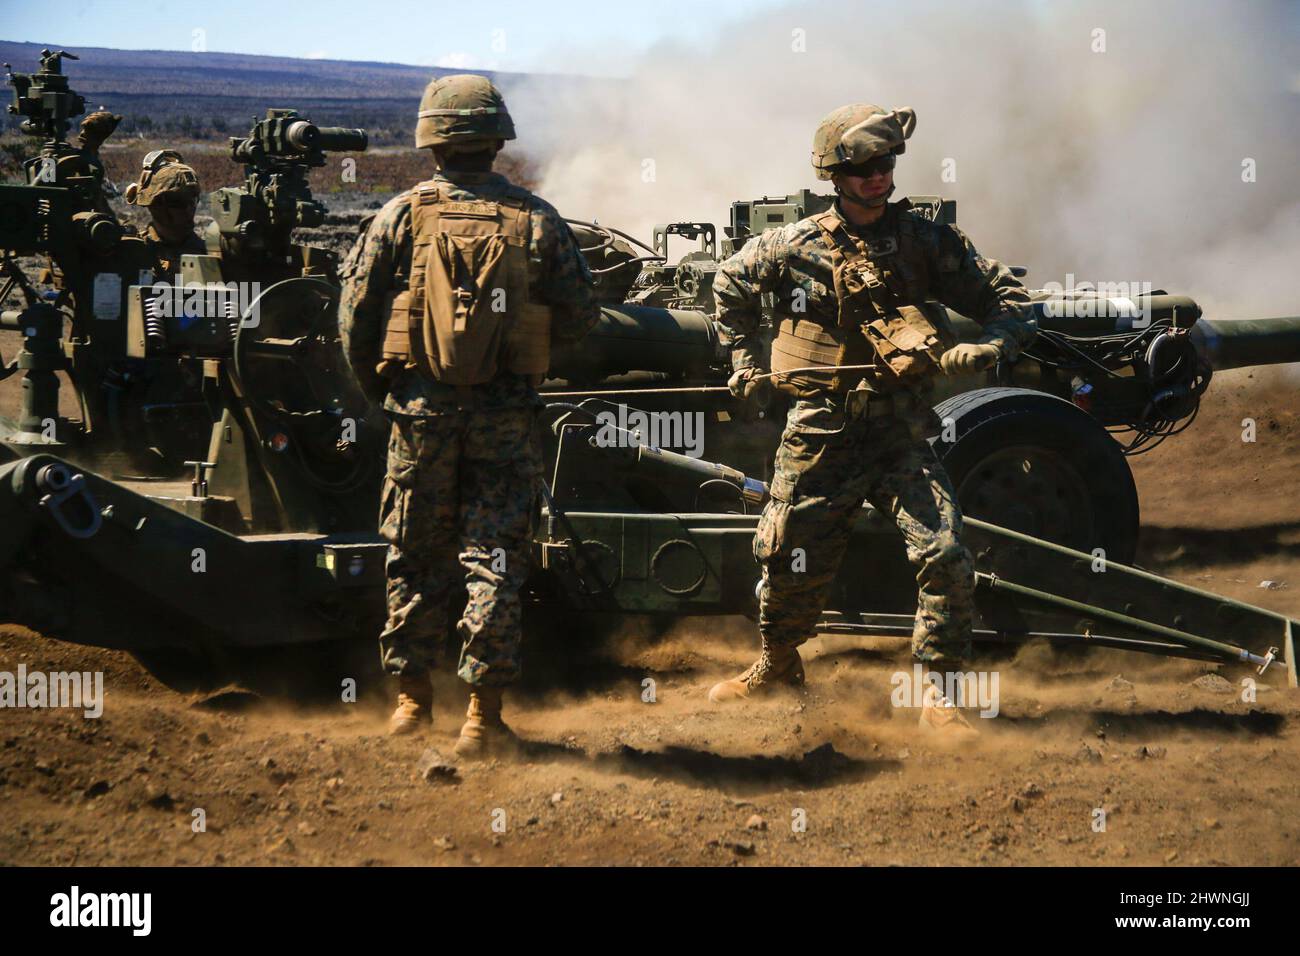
1185, 776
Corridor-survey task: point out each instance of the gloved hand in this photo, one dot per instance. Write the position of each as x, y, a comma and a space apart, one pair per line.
969, 358
746, 383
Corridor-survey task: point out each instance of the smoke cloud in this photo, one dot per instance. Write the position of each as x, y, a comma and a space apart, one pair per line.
1151, 142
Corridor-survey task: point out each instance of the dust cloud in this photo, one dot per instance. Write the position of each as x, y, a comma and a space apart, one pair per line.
1104, 140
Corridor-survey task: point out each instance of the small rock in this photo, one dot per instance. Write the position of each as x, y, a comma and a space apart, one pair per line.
1146, 752
1272, 585
1119, 684
755, 822
556, 797
435, 768
1213, 684
306, 829
1015, 804
160, 800
904, 754
742, 848
1088, 754
1210, 823
267, 763
445, 843
1031, 790
97, 789
1171, 856
283, 845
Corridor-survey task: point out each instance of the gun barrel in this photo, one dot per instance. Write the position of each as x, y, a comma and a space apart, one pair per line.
638, 338
1239, 343
338, 139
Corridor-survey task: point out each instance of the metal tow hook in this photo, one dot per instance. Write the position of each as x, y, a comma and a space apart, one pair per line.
60, 487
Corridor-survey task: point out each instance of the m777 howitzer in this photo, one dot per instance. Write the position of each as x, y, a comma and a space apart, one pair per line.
266, 568
235, 358
1037, 445
625, 530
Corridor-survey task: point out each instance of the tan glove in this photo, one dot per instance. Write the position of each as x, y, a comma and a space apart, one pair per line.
745, 382
969, 358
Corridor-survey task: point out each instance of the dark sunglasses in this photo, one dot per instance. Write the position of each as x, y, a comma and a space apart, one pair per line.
877, 164
175, 202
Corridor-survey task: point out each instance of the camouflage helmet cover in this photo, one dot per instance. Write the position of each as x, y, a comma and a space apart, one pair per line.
462, 109
857, 133
97, 127
163, 174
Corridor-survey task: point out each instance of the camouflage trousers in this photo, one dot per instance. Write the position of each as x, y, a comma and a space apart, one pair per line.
828, 463
458, 501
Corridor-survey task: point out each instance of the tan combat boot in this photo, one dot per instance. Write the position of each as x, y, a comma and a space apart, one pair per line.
776, 665
940, 716
414, 704
485, 734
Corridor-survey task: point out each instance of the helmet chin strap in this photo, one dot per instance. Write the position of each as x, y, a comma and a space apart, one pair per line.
867, 203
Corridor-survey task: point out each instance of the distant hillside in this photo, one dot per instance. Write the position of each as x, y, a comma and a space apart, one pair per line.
216, 94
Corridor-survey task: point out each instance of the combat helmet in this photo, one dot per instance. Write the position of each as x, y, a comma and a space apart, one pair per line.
460, 110
163, 173
857, 133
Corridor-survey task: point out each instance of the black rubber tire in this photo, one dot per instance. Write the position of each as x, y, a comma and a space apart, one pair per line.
1037, 464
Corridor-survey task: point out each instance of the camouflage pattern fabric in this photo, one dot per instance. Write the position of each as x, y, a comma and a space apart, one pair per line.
380, 261
828, 463
464, 469
167, 255
465, 482
932, 262
171, 179
97, 127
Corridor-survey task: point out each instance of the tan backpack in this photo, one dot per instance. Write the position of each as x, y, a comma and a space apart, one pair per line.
465, 314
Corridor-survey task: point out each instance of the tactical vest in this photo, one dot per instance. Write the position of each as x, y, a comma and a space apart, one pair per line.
901, 340
465, 314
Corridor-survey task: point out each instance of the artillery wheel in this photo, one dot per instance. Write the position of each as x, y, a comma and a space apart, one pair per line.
1036, 464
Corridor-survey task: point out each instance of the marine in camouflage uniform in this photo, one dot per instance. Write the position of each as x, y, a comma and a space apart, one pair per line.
859, 435
169, 189
464, 466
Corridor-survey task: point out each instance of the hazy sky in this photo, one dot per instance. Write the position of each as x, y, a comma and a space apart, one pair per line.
544, 35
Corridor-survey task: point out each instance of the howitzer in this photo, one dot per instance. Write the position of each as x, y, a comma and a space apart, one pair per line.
619, 534
253, 223
281, 501
1130, 369
233, 362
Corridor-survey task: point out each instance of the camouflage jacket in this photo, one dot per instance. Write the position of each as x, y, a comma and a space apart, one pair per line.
166, 255
380, 261
934, 262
